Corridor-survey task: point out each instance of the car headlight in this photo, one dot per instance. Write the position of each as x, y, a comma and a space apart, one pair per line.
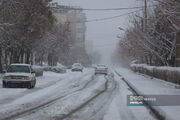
6, 77
26, 78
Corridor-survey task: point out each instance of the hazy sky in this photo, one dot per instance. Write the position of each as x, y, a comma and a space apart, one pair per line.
103, 33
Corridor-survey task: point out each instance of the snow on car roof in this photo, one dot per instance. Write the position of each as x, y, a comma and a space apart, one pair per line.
101, 65
77, 64
21, 64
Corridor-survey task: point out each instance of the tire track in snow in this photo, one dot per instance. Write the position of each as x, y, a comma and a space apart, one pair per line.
83, 105
34, 108
95, 106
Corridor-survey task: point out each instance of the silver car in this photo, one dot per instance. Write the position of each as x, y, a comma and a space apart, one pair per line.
77, 67
101, 69
19, 75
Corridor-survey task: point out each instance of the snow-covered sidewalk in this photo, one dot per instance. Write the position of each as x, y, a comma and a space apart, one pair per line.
151, 86
118, 109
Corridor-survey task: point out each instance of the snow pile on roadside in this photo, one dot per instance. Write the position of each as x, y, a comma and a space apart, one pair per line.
59, 68
171, 74
147, 86
157, 67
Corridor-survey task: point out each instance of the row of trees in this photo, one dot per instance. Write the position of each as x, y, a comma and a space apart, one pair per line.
22, 25
29, 32
152, 39
52, 45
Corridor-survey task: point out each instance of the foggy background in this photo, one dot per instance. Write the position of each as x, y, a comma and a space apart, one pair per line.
102, 34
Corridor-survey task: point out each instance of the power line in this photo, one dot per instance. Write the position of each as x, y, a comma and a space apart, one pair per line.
106, 18
106, 9
109, 18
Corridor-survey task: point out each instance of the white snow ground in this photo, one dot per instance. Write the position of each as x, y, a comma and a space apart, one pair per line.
147, 85
81, 96
119, 110
48, 87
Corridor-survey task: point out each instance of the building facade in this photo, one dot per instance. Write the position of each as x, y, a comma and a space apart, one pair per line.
76, 20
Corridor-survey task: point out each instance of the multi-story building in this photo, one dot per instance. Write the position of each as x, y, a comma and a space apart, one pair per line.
76, 20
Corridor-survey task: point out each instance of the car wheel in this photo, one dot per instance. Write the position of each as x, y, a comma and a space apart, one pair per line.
34, 83
4, 85
30, 85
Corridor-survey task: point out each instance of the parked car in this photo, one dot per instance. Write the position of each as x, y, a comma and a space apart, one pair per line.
19, 75
47, 68
38, 70
59, 69
77, 67
101, 69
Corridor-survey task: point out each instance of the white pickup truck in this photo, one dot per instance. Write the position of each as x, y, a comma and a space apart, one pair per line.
19, 75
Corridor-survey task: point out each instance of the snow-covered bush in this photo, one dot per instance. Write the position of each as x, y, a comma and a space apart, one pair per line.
171, 74
58, 69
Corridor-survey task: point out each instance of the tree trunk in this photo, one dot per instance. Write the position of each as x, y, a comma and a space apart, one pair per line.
0, 59
6, 58
22, 55
41, 59
31, 58
11, 56
49, 59
28, 57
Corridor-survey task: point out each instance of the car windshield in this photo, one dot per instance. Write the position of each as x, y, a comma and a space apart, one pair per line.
76, 64
101, 66
18, 68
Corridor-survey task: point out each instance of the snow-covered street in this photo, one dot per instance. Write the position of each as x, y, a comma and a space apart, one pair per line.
72, 96
89, 59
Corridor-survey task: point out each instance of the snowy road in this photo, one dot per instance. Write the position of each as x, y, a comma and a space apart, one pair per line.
71, 96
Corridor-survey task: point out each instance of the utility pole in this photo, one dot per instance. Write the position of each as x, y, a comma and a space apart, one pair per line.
144, 19
145, 15
177, 59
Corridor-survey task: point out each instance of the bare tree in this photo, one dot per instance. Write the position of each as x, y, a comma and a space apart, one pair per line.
22, 23
156, 44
